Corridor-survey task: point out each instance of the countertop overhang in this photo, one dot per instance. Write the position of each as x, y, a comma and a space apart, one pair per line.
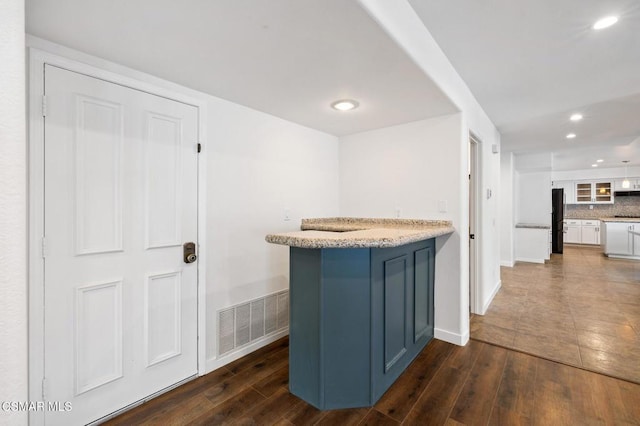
349, 232
620, 219
532, 226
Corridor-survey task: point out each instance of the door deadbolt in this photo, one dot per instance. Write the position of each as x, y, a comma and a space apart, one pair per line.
189, 252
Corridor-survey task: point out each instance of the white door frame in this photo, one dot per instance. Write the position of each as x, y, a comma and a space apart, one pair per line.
115, 74
475, 203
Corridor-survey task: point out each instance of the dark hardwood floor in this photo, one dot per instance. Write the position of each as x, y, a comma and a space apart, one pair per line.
478, 384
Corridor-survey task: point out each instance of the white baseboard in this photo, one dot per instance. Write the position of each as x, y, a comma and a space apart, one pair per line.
526, 259
495, 291
454, 338
507, 263
217, 362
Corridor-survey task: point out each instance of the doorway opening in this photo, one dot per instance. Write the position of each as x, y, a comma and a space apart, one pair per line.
474, 208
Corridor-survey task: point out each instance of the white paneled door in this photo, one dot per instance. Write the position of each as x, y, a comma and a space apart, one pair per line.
120, 201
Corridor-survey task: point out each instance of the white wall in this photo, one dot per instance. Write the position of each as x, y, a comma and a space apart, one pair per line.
413, 167
406, 166
402, 24
533, 162
258, 165
13, 212
533, 197
506, 209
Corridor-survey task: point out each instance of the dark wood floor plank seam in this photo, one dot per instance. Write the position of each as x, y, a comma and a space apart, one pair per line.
468, 373
579, 367
442, 364
495, 396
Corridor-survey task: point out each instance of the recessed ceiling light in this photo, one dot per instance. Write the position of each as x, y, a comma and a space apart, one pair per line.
576, 117
345, 105
599, 161
571, 135
594, 165
605, 22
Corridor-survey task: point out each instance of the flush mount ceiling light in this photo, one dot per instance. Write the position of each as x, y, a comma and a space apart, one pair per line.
594, 165
576, 117
605, 22
571, 135
599, 161
345, 105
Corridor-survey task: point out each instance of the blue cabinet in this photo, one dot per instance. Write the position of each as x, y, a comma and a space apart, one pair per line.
358, 318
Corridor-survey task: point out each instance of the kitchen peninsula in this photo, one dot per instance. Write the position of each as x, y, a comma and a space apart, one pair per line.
361, 305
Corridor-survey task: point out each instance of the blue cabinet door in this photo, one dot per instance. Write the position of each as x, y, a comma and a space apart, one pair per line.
402, 309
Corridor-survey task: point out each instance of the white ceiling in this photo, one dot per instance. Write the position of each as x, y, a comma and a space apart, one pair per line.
289, 58
532, 64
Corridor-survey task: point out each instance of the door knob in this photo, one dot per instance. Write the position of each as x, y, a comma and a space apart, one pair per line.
189, 252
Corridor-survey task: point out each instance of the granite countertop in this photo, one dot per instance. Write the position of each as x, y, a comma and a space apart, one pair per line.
350, 232
533, 226
620, 219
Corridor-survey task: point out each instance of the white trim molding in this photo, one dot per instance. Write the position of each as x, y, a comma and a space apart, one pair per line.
495, 291
454, 338
217, 362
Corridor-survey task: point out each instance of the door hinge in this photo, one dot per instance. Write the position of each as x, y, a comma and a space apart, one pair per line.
199, 147
44, 105
472, 236
44, 388
44, 247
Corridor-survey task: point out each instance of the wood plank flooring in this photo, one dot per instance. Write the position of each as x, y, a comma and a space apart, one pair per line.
478, 384
580, 308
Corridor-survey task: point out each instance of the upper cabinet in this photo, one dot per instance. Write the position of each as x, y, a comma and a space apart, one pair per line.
569, 190
587, 192
634, 184
594, 192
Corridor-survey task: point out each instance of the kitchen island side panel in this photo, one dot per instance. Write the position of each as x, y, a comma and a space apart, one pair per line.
346, 309
329, 349
304, 324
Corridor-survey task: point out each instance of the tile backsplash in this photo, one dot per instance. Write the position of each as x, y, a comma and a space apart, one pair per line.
628, 206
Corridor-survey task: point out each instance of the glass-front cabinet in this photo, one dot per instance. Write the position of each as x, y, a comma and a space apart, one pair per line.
596, 192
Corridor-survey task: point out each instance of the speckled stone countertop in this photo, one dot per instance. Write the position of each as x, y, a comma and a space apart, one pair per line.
620, 219
350, 232
533, 226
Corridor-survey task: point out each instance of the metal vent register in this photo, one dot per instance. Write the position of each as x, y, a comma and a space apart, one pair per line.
247, 322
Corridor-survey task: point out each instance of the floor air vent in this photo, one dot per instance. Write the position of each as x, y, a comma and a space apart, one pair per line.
247, 322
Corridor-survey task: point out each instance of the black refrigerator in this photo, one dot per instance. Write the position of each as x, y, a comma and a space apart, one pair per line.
557, 220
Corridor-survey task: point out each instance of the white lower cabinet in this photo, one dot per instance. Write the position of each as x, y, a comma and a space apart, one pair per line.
590, 232
621, 238
579, 231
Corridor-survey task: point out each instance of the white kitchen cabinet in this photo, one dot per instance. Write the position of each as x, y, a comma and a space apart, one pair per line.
634, 184
590, 232
573, 234
581, 231
569, 187
618, 238
531, 244
594, 192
